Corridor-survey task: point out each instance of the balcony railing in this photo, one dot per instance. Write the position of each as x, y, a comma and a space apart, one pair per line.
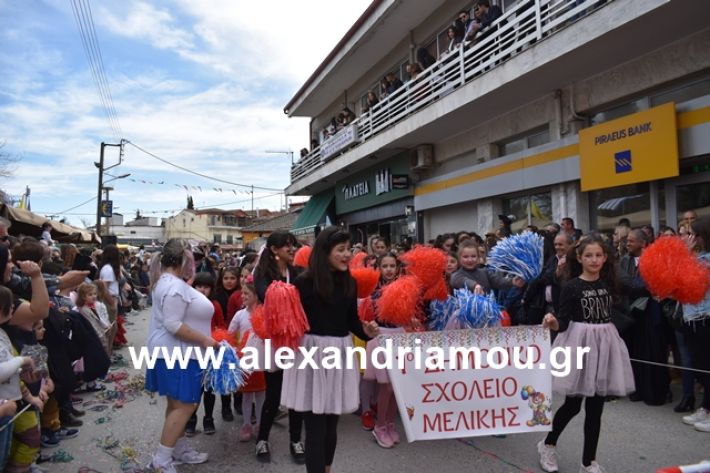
527, 23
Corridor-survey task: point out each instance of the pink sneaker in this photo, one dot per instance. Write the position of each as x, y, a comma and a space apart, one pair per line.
245, 433
392, 430
382, 436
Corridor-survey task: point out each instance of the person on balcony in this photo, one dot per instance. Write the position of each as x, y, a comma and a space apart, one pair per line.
484, 15
372, 100
393, 82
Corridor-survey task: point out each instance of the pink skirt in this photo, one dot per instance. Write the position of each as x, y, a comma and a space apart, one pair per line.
606, 369
323, 390
371, 372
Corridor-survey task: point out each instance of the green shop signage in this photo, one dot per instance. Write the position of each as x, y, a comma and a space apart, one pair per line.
377, 185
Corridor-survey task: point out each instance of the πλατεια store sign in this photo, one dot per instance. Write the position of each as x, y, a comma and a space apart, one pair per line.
637, 148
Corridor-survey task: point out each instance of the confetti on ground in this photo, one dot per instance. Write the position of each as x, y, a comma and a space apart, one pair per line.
61, 456
125, 454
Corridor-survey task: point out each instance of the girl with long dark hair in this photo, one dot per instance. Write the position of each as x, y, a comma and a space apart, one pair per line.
584, 320
275, 264
329, 296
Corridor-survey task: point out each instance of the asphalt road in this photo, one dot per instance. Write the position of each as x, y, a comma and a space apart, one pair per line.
635, 438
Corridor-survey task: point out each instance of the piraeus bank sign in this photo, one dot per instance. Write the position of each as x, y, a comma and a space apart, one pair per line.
636, 148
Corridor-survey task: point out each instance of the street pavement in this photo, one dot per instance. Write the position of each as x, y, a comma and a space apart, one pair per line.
635, 438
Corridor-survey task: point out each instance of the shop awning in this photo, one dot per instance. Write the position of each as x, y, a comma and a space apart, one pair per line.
614, 204
31, 224
313, 213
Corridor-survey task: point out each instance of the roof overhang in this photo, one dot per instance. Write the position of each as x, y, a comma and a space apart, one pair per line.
384, 24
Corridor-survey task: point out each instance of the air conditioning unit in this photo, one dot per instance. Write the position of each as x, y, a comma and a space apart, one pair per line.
422, 157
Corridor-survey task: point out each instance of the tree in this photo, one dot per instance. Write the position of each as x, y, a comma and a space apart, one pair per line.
7, 168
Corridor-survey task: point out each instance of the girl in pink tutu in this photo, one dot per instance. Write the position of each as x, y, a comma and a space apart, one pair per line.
385, 432
584, 320
329, 297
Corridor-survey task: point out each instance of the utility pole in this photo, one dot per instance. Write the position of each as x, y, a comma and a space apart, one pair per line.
252, 201
100, 165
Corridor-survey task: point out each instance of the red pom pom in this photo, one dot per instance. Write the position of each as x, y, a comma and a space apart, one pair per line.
221, 334
367, 279
284, 318
257, 322
670, 270
302, 256
398, 304
427, 264
366, 310
505, 319
438, 291
358, 261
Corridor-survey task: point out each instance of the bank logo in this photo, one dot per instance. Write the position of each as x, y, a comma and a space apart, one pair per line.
622, 161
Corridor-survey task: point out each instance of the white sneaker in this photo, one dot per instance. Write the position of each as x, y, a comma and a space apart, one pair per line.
701, 415
169, 468
548, 456
189, 456
593, 468
703, 426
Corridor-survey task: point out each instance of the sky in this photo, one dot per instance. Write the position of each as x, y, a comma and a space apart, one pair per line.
201, 84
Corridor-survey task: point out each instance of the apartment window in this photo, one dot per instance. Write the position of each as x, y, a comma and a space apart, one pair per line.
536, 137
682, 93
217, 238
620, 111
529, 209
230, 239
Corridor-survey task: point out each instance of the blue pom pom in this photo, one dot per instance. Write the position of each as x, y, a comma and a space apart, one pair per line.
474, 311
441, 312
228, 377
524, 395
520, 255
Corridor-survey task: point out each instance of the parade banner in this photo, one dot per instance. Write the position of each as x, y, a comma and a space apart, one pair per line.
452, 400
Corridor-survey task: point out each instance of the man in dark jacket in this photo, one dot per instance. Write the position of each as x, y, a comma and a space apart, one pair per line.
648, 336
485, 14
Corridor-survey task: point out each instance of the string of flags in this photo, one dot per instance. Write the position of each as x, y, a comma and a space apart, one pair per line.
189, 188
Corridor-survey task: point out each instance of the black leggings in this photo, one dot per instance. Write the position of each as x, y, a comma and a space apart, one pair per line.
593, 407
321, 439
272, 400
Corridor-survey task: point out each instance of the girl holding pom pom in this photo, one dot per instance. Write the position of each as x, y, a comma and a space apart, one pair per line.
180, 320
584, 320
385, 432
253, 391
276, 264
473, 276
329, 297
204, 283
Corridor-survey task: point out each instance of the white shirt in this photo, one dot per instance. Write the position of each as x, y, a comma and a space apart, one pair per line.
176, 303
9, 370
241, 322
109, 278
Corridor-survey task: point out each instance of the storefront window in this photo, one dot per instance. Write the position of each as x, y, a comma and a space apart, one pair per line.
693, 197
534, 209
608, 206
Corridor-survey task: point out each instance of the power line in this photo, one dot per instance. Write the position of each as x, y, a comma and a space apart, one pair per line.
200, 174
87, 33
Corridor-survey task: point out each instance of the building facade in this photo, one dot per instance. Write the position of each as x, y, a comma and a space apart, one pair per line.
583, 109
211, 225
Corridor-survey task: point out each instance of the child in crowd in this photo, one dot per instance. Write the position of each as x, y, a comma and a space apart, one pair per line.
204, 282
229, 296
452, 265
385, 433
473, 276
95, 312
107, 300
254, 392
584, 320
17, 449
